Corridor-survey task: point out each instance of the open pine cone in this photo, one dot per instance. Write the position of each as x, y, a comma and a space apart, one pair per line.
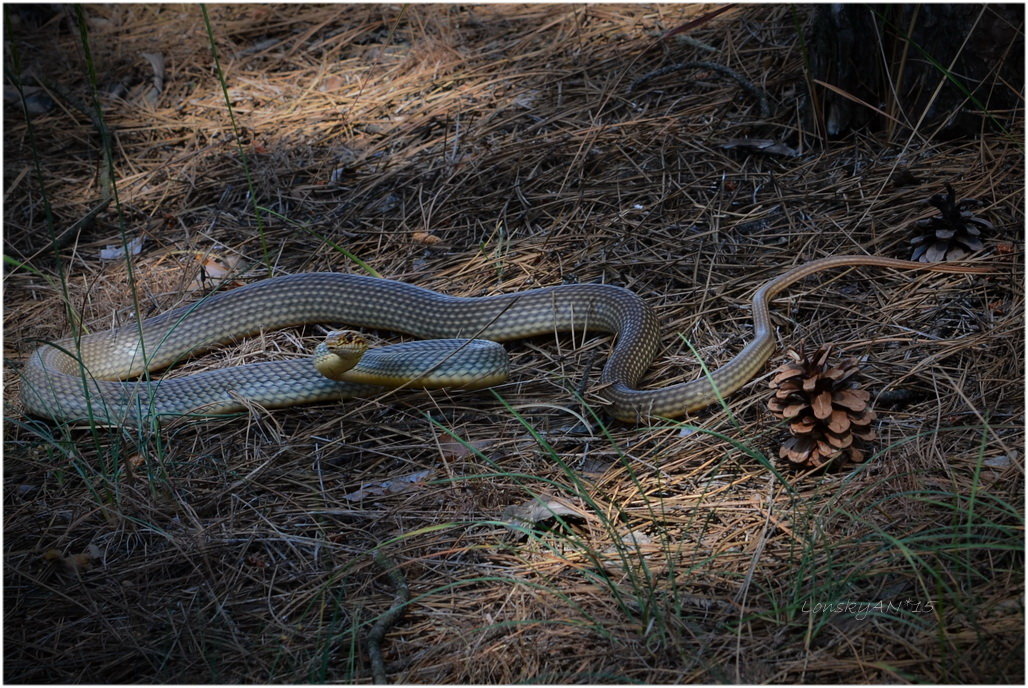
829, 417
953, 234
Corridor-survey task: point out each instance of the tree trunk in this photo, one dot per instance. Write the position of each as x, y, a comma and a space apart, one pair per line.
944, 70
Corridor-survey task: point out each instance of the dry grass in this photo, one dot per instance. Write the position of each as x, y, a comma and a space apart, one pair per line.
239, 550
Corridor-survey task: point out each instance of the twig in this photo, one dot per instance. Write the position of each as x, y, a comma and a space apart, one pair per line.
747, 85
72, 231
386, 621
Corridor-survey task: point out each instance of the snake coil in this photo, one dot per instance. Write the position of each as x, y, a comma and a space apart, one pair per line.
89, 377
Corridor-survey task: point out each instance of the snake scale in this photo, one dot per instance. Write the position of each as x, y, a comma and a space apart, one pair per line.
89, 377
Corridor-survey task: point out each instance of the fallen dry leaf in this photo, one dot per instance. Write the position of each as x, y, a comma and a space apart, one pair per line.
460, 450
761, 146
540, 508
156, 61
426, 239
386, 487
74, 563
116, 251
216, 270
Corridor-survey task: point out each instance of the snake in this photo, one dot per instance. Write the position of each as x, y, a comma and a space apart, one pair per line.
104, 377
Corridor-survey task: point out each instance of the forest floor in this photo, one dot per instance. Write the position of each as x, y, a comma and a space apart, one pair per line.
486, 150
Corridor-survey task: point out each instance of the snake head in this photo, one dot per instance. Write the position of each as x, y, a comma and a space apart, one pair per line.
341, 351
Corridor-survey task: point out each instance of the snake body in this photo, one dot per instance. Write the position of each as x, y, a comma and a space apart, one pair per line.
88, 378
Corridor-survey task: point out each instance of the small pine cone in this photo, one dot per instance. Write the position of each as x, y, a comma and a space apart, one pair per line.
953, 234
828, 415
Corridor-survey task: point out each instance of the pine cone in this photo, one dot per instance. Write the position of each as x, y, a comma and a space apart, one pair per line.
829, 417
953, 234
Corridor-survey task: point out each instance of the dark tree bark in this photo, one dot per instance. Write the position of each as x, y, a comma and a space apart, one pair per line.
948, 70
